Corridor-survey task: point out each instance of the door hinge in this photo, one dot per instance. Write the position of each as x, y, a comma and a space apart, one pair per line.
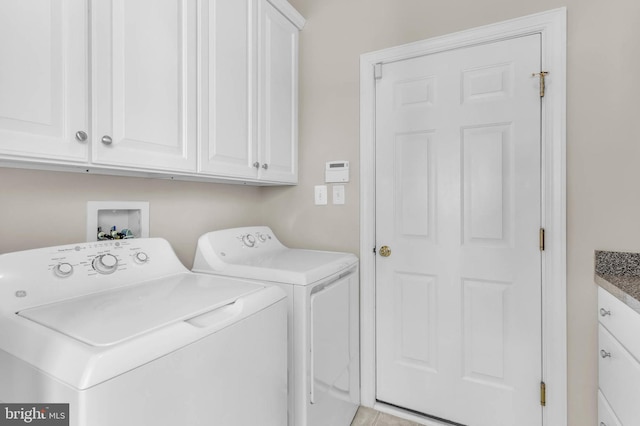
377, 71
541, 239
543, 394
374, 250
542, 75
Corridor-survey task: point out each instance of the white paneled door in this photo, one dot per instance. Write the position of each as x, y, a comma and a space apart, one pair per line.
458, 204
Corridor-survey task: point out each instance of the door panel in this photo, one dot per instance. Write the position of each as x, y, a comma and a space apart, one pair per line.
458, 201
414, 157
487, 186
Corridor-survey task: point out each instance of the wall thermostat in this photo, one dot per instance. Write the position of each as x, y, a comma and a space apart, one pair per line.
336, 171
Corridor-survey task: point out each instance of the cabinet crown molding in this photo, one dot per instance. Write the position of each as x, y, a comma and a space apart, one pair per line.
289, 12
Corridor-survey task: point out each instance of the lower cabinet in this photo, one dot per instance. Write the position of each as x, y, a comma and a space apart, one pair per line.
606, 417
618, 362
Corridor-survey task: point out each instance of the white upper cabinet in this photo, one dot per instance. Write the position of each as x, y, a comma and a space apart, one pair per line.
278, 96
191, 89
43, 80
144, 73
228, 88
249, 97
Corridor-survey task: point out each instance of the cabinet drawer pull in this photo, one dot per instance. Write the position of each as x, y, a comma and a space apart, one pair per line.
107, 140
265, 166
604, 312
256, 165
81, 136
605, 354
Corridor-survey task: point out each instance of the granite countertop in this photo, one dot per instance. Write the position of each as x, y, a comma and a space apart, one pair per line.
619, 274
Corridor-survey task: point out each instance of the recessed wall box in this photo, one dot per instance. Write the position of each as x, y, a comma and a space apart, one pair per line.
129, 215
336, 171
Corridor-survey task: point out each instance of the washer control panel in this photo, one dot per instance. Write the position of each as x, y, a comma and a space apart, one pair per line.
33, 277
103, 258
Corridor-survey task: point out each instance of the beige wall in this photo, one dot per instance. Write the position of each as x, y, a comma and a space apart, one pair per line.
602, 144
47, 208
40, 209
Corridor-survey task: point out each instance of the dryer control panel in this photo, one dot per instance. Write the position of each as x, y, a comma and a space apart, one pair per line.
255, 239
217, 249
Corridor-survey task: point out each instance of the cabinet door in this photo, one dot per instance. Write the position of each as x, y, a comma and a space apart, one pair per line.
228, 88
621, 321
278, 93
43, 79
618, 377
144, 77
606, 416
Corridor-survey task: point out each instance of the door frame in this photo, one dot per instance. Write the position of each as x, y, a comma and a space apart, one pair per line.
552, 26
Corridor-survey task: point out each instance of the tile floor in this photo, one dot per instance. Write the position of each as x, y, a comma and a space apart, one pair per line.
370, 417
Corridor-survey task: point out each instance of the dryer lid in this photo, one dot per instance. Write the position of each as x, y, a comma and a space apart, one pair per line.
254, 252
289, 266
110, 317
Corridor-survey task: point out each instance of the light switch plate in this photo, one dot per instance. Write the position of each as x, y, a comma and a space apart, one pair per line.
320, 195
338, 194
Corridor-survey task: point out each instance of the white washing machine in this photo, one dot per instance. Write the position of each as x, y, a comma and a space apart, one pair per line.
323, 298
126, 335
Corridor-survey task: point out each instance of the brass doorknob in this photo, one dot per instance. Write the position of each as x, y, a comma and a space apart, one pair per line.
385, 251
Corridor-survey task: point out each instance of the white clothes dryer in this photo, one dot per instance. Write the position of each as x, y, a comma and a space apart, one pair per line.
323, 299
127, 336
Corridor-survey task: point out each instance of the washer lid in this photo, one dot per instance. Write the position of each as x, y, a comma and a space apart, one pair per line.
290, 266
110, 317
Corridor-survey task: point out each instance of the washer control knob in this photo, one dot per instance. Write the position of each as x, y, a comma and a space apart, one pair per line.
249, 240
141, 257
105, 264
63, 270
261, 237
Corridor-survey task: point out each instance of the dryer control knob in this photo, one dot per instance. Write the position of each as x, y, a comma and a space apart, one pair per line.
141, 257
63, 270
249, 240
105, 264
261, 237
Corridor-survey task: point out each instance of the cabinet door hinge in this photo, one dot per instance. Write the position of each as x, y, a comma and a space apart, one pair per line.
374, 250
543, 394
541, 239
541, 74
377, 71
